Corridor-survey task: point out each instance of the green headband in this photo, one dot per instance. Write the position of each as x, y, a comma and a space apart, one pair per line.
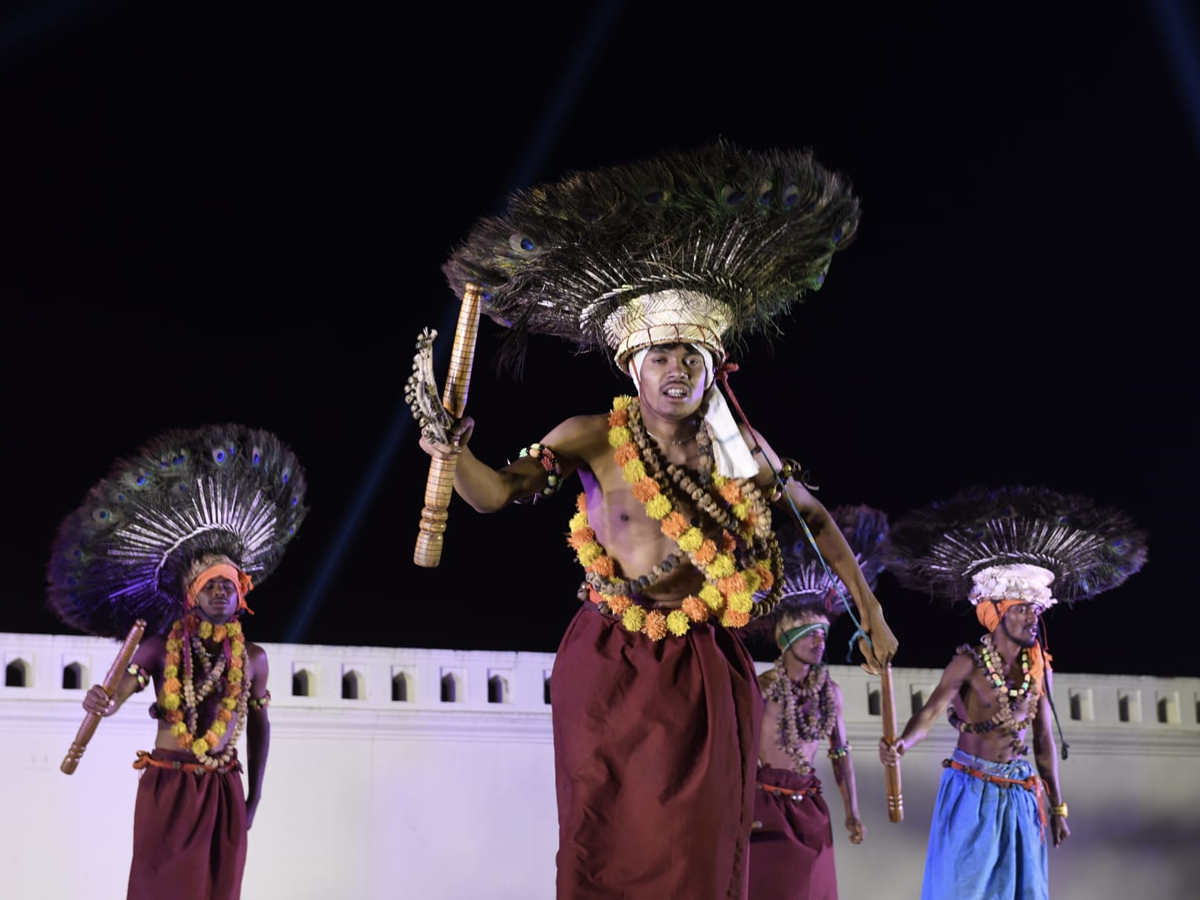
792, 635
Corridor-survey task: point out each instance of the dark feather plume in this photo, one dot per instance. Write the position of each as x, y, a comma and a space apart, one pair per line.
122, 554
1089, 549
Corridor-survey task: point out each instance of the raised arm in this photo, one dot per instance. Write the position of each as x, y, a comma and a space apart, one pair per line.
1045, 753
953, 678
843, 770
258, 730
840, 558
487, 489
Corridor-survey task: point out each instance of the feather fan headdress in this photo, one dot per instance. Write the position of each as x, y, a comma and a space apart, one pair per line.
807, 584
1014, 543
222, 490
706, 246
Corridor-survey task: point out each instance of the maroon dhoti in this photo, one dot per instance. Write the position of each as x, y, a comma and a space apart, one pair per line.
189, 833
791, 856
655, 748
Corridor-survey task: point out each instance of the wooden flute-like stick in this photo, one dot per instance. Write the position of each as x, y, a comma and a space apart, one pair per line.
895, 799
111, 680
440, 483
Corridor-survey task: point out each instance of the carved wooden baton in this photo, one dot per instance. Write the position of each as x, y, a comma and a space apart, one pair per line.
440, 483
111, 680
895, 799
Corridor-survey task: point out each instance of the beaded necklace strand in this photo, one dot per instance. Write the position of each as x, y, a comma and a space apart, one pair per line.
797, 726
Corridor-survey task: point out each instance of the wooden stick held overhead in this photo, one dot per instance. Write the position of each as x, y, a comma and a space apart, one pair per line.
895, 799
111, 680
440, 483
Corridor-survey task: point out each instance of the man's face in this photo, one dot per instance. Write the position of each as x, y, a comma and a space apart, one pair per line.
671, 380
218, 599
809, 649
1020, 623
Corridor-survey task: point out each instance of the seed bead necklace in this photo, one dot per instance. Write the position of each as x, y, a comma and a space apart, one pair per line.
797, 726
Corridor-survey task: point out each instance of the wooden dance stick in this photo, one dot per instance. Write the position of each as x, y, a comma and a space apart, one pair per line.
895, 800
111, 680
440, 483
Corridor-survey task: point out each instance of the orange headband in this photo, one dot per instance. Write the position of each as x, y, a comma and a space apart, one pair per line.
226, 570
990, 612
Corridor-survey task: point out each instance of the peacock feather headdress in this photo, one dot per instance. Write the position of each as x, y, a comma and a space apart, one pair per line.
709, 245
220, 490
1014, 543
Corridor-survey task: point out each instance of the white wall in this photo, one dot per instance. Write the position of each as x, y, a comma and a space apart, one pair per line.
377, 799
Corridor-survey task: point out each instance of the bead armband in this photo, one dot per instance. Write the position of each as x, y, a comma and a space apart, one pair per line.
1060, 810
545, 456
836, 753
140, 674
259, 702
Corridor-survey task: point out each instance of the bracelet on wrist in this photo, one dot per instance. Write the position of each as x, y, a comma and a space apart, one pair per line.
1060, 810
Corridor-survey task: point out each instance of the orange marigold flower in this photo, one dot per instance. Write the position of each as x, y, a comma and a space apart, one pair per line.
172, 686
732, 584
175, 715
235, 661
674, 525
731, 492
705, 553
644, 490
581, 503
212, 738
695, 608
580, 538
224, 715
734, 619
728, 542
618, 417
626, 453
603, 566
185, 741
619, 604
219, 633
768, 580
656, 625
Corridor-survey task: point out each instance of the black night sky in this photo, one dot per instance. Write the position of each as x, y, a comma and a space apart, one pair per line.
239, 213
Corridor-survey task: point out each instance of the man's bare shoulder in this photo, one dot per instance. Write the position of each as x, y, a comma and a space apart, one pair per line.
579, 436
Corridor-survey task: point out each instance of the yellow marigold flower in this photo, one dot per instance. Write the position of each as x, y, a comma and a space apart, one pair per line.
229, 702
178, 729
674, 525
580, 537
719, 481
234, 676
634, 618
169, 701
656, 625
678, 622
633, 471
645, 489
603, 566
752, 579
218, 728
618, 417
233, 628
625, 453
691, 540
734, 619
589, 552
206, 629
200, 745
172, 686
579, 520
705, 553
722, 566
712, 597
174, 645
739, 510
618, 436
658, 507
742, 601
171, 671
695, 609
225, 715
732, 584
622, 402
619, 603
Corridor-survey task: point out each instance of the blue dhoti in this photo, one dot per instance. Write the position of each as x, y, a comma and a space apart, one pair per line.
986, 841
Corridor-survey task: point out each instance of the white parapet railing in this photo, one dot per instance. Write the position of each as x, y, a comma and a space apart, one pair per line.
414, 773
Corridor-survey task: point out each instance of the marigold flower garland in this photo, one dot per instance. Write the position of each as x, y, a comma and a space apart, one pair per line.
180, 698
728, 592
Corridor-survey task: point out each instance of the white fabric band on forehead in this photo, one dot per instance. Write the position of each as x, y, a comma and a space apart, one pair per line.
730, 451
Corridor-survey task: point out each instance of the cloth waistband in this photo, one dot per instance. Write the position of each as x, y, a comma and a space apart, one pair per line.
990, 772
169, 759
786, 783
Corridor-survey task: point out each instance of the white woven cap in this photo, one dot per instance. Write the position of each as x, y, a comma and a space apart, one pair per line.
1017, 581
666, 317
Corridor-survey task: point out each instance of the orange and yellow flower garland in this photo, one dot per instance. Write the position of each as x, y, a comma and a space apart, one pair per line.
179, 697
728, 592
